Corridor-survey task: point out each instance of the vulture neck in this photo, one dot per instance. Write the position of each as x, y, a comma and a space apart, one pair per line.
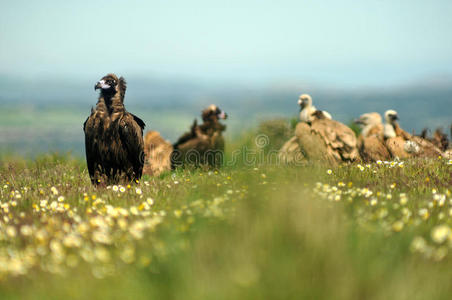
113, 103
211, 126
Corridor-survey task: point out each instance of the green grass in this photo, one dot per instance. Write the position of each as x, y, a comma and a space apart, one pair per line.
243, 232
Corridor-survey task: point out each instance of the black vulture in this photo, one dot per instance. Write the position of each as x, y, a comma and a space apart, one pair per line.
113, 137
203, 144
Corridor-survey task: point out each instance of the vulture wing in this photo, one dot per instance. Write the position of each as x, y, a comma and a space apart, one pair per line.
91, 148
427, 149
371, 149
187, 136
139, 122
131, 135
314, 145
337, 136
396, 147
291, 152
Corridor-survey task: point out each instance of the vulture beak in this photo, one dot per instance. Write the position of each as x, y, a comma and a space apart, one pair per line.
223, 115
358, 121
395, 117
101, 85
300, 102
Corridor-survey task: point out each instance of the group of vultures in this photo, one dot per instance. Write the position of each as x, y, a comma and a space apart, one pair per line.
117, 152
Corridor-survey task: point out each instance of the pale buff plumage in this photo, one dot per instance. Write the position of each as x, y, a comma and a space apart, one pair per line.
401, 144
328, 141
319, 138
370, 142
290, 152
158, 154
307, 113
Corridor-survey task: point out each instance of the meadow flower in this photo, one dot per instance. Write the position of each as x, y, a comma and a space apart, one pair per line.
150, 201
102, 237
138, 191
133, 210
423, 213
115, 188
418, 244
178, 213
128, 254
11, 231
102, 254
440, 233
54, 190
440, 199
26, 230
72, 241
397, 226
122, 189
53, 205
403, 199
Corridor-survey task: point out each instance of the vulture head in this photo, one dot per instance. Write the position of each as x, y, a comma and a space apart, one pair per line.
110, 85
304, 101
391, 116
369, 119
213, 113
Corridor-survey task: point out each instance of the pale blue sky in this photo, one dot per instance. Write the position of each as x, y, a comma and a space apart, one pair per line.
346, 42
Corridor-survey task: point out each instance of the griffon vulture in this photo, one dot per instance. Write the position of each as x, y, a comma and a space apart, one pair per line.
371, 144
327, 140
203, 144
319, 138
291, 152
401, 144
308, 112
113, 136
158, 154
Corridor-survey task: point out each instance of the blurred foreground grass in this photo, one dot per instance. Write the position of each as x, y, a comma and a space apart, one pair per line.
378, 231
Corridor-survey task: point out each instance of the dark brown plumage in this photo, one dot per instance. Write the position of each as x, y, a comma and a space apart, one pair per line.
113, 136
203, 144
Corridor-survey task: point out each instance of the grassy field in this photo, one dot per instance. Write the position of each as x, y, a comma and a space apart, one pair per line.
378, 231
